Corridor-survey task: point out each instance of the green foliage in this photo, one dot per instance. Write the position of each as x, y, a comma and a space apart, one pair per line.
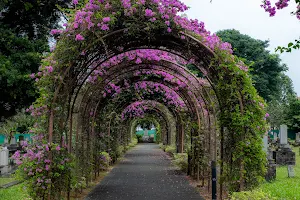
32, 18
266, 69
78, 184
120, 151
139, 138
251, 195
24, 30
162, 146
279, 108
181, 161
19, 57
104, 160
133, 142
291, 46
170, 149
21, 122
292, 118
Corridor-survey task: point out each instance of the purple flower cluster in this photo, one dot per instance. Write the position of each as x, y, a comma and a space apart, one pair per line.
268, 8
37, 111
35, 164
282, 4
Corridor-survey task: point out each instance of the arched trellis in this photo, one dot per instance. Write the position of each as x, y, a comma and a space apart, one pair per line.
128, 69
104, 103
229, 98
168, 120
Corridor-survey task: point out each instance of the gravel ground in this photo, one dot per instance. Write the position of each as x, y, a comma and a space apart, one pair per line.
145, 174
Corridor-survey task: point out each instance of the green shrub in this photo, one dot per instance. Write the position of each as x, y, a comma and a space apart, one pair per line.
181, 161
162, 146
120, 151
133, 142
139, 138
104, 160
251, 195
170, 149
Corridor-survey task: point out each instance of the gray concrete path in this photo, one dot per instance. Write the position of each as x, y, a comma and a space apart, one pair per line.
145, 174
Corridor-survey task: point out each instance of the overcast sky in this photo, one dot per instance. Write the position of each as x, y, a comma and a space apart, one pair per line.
249, 18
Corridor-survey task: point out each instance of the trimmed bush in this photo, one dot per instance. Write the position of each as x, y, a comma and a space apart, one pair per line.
170, 149
139, 138
120, 151
104, 160
162, 146
181, 161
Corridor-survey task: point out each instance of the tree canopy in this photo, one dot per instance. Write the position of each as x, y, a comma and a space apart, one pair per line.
266, 68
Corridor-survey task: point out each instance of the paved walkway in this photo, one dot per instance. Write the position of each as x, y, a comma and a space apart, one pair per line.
144, 174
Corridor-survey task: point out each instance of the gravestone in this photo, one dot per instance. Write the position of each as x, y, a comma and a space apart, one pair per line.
13, 140
297, 141
291, 171
298, 136
283, 135
265, 142
4, 154
275, 137
284, 154
271, 170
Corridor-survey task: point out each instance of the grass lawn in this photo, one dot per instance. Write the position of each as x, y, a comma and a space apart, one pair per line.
4, 181
14, 193
284, 188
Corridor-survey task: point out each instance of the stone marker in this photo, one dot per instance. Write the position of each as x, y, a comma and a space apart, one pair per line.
291, 171
4, 156
275, 136
284, 154
266, 145
298, 137
13, 140
283, 134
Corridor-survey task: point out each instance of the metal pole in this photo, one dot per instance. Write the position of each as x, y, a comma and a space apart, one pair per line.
213, 180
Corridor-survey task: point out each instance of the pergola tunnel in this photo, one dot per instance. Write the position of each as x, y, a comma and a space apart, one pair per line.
119, 64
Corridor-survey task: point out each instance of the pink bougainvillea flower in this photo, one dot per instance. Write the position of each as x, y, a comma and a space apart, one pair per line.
79, 37
57, 148
106, 19
149, 13
104, 27
55, 32
32, 75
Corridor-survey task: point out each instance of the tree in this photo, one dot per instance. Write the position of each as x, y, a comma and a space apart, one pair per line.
278, 108
24, 30
19, 57
265, 68
32, 18
293, 114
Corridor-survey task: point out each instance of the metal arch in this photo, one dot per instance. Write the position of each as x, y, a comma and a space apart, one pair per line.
206, 56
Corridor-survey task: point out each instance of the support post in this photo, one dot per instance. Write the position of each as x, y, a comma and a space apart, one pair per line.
213, 180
